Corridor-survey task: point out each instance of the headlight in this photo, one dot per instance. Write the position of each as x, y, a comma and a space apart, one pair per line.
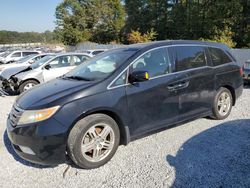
32, 116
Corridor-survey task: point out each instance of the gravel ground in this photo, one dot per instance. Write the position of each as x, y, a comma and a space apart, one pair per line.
202, 153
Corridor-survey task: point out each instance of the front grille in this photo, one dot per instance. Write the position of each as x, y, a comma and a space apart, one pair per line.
15, 115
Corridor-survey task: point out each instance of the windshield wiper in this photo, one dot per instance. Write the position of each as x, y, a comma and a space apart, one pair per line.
77, 78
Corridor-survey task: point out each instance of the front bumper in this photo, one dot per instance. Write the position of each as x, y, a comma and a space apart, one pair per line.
44, 142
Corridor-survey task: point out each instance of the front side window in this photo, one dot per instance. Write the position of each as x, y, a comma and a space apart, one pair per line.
121, 80
218, 56
59, 62
189, 57
155, 62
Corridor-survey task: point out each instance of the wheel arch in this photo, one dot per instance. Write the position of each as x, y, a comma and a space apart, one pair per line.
124, 130
29, 79
232, 91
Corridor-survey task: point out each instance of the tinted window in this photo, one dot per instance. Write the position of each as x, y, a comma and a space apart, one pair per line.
218, 56
155, 62
17, 54
189, 57
97, 52
29, 53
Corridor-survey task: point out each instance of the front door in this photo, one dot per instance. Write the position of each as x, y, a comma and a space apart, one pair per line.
152, 104
57, 67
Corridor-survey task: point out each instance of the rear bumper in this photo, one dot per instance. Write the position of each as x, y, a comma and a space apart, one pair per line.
30, 144
246, 75
238, 91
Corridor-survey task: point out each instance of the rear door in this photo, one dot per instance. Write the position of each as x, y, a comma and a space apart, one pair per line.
226, 71
152, 104
193, 72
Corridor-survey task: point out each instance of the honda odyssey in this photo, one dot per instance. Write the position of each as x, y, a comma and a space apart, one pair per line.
122, 95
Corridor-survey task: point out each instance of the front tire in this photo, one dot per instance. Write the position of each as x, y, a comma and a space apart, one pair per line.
27, 85
223, 103
93, 141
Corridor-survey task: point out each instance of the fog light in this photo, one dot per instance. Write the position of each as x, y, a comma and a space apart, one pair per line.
27, 150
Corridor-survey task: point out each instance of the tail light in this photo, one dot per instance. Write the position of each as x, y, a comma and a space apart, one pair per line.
241, 71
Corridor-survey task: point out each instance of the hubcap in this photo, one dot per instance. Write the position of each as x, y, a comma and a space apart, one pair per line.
224, 103
28, 86
98, 142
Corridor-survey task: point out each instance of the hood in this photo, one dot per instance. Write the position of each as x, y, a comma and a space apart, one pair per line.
5, 66
43, 95
8, 72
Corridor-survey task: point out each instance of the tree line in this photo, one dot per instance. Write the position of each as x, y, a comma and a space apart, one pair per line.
13, 37
132, 21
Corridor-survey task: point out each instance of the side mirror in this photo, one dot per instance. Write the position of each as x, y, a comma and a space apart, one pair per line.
138, 76
47, 67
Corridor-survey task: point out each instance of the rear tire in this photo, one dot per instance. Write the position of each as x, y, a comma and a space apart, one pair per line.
222, 105
27, 85
93, 141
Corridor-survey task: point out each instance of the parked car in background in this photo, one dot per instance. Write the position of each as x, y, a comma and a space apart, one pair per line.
246, 72
21, 79
2, 52
94, 52
122, 95
27, 60
12, 56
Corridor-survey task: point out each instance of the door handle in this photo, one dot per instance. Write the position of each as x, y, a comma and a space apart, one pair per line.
179, 85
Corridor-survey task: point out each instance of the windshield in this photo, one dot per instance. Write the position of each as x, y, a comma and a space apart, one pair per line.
24, 59
101, 66
41, 61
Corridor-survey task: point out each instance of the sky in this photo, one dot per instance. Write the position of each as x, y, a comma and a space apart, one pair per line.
28, 15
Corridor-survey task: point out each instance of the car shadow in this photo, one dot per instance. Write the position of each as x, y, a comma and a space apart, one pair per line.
246, 86
217, 157
10, 149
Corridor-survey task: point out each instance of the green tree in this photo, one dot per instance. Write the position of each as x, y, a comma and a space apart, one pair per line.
94, 20
137, 37
191, 19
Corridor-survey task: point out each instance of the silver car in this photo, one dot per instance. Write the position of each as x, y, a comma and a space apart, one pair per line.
42, 71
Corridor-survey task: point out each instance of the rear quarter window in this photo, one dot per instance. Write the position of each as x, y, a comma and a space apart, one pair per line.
218, 56
189, 57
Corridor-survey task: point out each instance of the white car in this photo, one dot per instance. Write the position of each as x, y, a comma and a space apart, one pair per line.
12, 56
30, 59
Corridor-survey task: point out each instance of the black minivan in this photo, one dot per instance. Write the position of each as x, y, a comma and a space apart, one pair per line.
122, 95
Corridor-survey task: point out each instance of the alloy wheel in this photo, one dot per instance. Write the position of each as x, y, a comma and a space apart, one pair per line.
224, 103
98, 142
